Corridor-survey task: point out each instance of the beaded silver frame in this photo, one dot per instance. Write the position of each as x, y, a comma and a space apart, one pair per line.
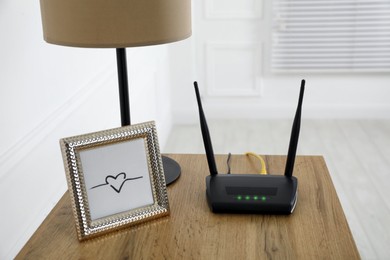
71, 147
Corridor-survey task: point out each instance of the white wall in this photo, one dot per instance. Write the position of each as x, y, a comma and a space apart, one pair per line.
332, 96
48, 92
219, 28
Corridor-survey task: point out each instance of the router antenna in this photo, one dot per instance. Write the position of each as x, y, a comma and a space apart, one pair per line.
292, 150
206, 135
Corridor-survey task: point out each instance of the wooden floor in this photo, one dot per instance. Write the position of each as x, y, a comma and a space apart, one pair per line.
357, 153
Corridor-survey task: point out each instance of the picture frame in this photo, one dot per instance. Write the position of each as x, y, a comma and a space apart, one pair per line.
115, 178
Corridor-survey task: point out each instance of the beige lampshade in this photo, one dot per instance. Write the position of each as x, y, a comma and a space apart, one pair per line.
115, 23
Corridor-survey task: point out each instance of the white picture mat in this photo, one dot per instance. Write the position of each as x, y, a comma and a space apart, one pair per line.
119, 194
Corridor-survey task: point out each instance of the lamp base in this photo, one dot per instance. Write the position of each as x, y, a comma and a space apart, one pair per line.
172, 169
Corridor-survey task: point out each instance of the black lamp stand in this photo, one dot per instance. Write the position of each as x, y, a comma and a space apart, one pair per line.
172, 169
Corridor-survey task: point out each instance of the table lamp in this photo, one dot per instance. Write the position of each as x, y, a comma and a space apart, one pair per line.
118, 24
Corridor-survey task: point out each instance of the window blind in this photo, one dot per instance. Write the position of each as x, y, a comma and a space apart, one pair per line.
331, 35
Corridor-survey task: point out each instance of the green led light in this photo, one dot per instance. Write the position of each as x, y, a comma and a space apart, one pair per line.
256, 197
239, 197
247, 197
263, 198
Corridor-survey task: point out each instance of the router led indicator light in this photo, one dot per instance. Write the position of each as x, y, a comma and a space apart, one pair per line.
248, 197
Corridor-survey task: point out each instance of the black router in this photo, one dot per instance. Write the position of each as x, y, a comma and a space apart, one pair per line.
252, 193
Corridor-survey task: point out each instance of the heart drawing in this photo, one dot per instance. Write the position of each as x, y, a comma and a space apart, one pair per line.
116, 182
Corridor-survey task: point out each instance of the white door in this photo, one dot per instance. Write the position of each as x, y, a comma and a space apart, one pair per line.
228, 47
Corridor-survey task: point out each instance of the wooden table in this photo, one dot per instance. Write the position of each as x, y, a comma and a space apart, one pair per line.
316, 229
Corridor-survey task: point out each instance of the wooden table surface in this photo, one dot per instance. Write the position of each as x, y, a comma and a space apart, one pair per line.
316, 229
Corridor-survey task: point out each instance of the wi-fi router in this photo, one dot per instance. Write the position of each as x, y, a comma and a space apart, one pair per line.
252, 193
